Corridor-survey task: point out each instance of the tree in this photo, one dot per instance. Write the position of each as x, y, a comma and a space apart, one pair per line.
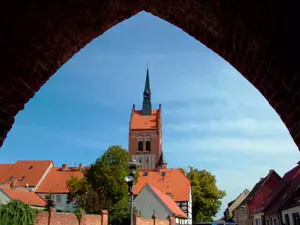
103, 186
17, 213
206, 196
49, 202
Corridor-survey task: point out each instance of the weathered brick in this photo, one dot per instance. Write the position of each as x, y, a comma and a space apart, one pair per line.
40, 38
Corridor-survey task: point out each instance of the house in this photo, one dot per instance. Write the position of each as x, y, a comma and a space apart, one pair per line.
55, 182
153, 202
29, 174
260, 199
228, 214
251, 210
41, 177
284, 206
22, 194
172, 182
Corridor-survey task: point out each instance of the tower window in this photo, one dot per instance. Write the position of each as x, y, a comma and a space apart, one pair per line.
148, 144
140, 144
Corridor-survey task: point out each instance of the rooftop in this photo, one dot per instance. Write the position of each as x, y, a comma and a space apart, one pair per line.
27, 197
25, 172
174, 183
140, 122
56, 180
171, 205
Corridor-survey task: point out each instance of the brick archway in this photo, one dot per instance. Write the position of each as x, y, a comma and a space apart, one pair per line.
39, 37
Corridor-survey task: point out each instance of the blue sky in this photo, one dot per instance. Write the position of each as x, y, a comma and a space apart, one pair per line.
213, 118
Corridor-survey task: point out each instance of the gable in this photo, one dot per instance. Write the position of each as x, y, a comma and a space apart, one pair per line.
147, 203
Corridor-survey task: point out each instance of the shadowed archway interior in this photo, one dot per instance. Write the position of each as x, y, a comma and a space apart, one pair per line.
39, 37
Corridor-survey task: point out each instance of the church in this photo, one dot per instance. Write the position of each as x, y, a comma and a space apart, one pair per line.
145, 146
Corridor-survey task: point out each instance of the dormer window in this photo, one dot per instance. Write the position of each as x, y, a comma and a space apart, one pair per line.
11, 178
140, 144
148, 144
145, 173
30, 167
22, 178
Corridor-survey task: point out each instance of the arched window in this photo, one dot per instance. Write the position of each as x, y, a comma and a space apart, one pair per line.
148, 144
140, 144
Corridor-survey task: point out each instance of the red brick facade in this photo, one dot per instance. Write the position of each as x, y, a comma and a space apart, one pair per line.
153, 132
71, 219
154, 221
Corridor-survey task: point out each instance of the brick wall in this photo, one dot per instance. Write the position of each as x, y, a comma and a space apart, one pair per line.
71, 219
154, 221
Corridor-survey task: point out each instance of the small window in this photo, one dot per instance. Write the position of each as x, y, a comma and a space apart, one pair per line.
145, 174
22, 178
30, 167
148, 144
140, 144
58, 198
11, 178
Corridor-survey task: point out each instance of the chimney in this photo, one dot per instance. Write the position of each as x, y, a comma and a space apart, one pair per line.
63, 167
133, 107
80, 166
14, 184
271, 171
261, 178
159, 107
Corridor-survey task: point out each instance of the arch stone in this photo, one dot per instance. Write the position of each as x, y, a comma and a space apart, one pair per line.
40, 36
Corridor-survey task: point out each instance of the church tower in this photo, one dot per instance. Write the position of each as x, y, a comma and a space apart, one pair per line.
145, 133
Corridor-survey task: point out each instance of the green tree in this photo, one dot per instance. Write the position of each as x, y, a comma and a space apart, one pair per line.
205, 194
17, 213
49, 202
103, 186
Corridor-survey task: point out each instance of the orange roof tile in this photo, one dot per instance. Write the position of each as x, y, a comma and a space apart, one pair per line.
29, 198
27, 172
168, 202
56, 180
175, 183
4, 168
140, 122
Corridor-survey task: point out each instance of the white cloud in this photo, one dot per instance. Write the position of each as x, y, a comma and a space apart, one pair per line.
233, 145
249, 126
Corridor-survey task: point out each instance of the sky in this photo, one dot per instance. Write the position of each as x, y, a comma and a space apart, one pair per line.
213, 118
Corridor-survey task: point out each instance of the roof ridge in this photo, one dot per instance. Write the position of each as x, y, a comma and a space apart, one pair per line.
154, 189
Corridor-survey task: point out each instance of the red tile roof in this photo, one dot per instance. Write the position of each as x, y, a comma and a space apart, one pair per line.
140, 122
171, 205
290, 178
174, 183
27, 172
29, 198
56, 180
4, 168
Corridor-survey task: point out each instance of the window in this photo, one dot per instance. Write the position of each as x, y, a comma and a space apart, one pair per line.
22, 178
30, 167
11, 178
287, 219
148, 144
58, 198
140, 144
145, 174
296, 218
